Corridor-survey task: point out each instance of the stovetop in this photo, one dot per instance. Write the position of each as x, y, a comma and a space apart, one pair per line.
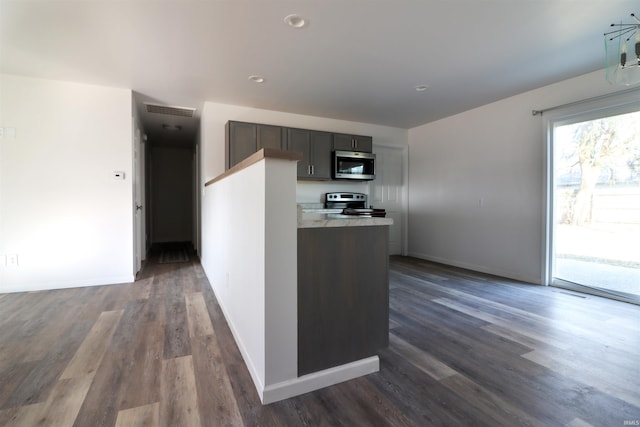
365, 212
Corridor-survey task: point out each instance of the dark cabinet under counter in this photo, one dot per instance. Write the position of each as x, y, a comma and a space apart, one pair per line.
343, 295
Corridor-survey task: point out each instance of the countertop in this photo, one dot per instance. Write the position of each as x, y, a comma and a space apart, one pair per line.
316, 219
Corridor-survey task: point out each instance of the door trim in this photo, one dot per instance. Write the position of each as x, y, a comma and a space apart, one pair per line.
404, 149
621, 103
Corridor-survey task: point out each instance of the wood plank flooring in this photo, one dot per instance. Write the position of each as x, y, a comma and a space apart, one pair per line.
465, 349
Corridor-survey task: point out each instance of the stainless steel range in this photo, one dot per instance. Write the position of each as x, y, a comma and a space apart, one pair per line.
351, 204
345, 200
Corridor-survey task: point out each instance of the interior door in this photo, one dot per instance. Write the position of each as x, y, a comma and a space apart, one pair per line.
138, 197
387, 192
142, 197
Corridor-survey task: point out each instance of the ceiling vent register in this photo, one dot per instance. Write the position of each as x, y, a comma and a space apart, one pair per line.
170, 111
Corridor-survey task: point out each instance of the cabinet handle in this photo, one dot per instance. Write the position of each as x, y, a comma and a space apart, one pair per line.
312, 171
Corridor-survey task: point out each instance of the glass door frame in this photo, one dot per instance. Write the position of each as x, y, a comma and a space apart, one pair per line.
625, 102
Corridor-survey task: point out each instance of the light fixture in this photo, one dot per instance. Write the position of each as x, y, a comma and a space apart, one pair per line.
622, 53
295, 21
171, 127
421, 88
257, 79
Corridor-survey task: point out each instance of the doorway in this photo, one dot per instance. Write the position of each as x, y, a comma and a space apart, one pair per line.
172, 193
388, 191
139, 200
595, 203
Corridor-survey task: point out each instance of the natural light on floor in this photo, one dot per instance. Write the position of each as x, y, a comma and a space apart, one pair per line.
597, 203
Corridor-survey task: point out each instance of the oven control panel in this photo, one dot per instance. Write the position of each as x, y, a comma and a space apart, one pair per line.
346, 197
345, 200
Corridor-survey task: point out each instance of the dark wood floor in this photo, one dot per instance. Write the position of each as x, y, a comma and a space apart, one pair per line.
466, 349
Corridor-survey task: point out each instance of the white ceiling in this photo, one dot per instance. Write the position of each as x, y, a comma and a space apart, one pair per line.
356, 60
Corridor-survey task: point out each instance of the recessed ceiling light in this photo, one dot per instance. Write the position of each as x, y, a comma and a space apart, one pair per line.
421, 88
171, 127
295, 21
257, 79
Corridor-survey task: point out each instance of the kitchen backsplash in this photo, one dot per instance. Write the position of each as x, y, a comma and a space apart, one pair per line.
313, 192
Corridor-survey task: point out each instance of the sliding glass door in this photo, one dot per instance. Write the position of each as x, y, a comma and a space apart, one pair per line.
595, 206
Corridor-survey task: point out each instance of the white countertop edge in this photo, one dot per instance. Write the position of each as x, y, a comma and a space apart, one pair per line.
336, 220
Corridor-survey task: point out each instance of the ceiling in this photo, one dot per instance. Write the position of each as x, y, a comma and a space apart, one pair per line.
355, 60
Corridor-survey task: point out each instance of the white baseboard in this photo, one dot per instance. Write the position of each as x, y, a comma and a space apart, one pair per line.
479, 268
49, 286
257, 381
299, 385
317, 380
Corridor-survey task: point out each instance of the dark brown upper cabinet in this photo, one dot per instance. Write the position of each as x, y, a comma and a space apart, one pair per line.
316, 148
343, 142
244, 139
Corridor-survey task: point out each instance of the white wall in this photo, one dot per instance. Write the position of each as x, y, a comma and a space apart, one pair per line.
61, 210
281, 271
215, 116
233, 257
476, 182
249, 256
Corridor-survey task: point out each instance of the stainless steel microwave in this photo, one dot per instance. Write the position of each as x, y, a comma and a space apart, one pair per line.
354, 165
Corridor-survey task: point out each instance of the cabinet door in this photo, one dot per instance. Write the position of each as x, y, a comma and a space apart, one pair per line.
298, 140
363, 143
321, 149
242, 141
343, 295
342, 142
352, 143
271, 137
